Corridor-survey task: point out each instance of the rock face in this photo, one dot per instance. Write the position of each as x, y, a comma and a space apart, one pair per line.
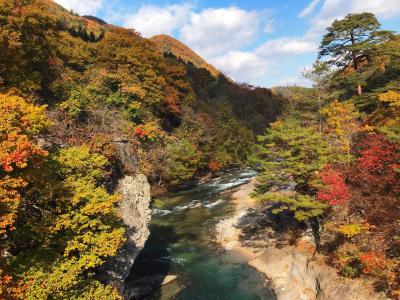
297, 272
134, 208
294, 268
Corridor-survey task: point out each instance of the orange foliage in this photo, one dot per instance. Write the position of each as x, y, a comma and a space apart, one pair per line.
16, 150
171, 99
19, 120
103, 145
214, 166
167, 44
8, 289
10, 198
140, 132
373, 263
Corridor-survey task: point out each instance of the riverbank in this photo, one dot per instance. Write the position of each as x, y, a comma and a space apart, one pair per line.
294, 268
180, 244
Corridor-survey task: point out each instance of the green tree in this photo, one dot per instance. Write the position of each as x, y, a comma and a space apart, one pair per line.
351, 41
290, 153
183, 161
320, 74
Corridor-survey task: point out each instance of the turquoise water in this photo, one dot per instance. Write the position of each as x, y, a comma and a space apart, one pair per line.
182, 243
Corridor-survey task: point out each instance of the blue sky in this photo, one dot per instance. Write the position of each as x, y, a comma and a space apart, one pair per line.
265, 43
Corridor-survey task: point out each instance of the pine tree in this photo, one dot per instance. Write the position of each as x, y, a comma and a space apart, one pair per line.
290, 153
351, 41
320, 74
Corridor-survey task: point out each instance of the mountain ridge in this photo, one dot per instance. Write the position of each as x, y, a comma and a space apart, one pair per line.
168, 45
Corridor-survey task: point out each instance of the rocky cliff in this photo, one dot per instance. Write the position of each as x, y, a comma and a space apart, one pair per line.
296, 271
135, 210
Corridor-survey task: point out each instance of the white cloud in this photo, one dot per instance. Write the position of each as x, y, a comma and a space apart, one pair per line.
241, 66
297, 79
150, 20
254, 65
309, 9
215, 31
82, 7
223, 36
286, 46
337, 9
217, 34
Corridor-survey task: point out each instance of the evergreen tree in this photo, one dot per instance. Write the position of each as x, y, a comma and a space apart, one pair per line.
92, 37
290, 153
320, 74
351, 41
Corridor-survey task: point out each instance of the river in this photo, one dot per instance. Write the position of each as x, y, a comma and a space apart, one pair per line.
182, 243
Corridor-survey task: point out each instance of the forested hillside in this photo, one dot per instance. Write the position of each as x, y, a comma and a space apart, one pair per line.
82, 103
168, 45
335, 154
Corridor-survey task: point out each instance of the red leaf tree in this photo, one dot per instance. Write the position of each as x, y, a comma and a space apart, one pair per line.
380, 159
335, 190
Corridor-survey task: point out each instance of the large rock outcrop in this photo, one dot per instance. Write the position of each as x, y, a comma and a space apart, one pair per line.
296, 271
135, 211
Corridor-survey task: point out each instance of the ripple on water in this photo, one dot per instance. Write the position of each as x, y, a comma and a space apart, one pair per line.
181, 243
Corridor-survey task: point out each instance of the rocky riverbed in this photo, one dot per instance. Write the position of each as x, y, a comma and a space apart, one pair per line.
285, 253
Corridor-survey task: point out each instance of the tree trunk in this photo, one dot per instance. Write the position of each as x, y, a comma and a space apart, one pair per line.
315, 226
355, 64
359, 90
320, 107
353, 54
160, 180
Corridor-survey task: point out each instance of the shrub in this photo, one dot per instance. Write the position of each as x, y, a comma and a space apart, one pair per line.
351, 230
334, 191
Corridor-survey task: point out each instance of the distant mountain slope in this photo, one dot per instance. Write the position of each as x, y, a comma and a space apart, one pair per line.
95, 19
167, 44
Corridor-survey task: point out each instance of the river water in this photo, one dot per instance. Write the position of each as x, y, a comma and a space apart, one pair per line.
182, 243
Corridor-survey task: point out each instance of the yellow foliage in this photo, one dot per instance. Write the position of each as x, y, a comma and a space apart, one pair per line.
351, 230
391, 97
19, 121
343, 123
89, 225
390, 124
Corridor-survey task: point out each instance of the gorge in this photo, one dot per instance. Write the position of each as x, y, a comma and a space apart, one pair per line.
132, 168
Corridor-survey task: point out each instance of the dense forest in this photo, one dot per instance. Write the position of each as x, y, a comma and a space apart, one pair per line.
338, 145
82, 103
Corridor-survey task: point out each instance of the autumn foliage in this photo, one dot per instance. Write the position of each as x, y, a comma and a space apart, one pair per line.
140, 132
373, 262
214, 166
8, 288
335, 190
380, 159
19, 121
342, 125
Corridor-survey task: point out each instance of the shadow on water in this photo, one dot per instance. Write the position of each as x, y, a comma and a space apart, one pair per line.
153, 263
